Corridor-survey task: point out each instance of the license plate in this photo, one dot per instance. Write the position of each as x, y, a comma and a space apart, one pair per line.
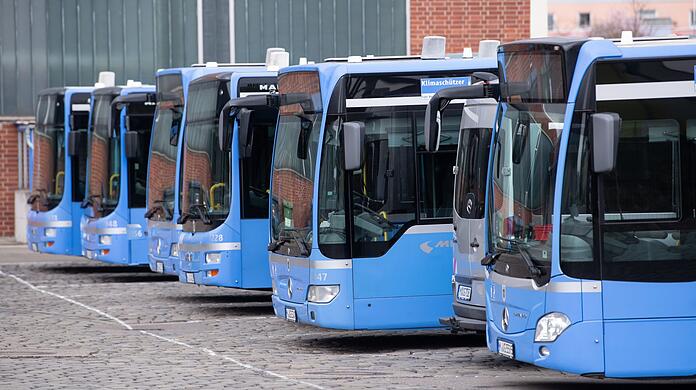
91, 254
506, 348
290, 314
35, 247
159, 267
464, 293
189, 278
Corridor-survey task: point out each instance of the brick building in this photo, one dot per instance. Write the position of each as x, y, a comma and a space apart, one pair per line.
466, 22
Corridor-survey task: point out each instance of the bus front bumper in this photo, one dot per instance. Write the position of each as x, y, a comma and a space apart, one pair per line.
578, 350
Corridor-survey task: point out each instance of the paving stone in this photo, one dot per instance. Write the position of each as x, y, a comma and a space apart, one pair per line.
186, 336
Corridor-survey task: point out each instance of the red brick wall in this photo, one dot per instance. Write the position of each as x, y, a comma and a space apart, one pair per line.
466, 22
162, 178
8, 177
297, 191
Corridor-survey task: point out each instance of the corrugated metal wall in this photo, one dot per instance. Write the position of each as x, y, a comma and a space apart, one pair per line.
318, 29
48, 43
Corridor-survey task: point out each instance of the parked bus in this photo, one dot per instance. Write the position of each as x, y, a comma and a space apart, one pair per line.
58, 182
163, 208
592, 229
470, 173
224, 178
361, 213
114, 205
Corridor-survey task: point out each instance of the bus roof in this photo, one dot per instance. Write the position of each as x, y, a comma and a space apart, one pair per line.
334, 70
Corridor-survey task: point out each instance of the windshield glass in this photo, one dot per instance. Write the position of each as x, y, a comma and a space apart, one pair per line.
205, 175
525, 153
49, 152
162, 163
524, 158
294, 162
104, 156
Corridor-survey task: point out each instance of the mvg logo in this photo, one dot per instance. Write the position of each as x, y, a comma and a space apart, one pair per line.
427, 248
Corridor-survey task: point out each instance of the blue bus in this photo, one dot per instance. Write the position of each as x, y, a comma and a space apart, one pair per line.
592, 228
163, 174
351, 170
224, 179
114, 204
58, 182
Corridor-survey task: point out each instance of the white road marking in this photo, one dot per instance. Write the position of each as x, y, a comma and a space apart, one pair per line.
167, 339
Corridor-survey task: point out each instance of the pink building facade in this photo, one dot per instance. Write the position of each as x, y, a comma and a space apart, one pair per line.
604, 17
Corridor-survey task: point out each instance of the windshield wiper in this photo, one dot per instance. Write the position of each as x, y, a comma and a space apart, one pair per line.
89, 201
201, 213
159, 208
275, 244
38, 194
295, 235
517, 246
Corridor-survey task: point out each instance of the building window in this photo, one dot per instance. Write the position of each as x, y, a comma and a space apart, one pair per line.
551, 22
647, 14
584, 20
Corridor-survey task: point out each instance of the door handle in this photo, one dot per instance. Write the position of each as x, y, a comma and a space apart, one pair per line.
474, 244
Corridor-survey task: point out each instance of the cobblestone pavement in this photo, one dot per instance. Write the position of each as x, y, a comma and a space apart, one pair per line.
72, 323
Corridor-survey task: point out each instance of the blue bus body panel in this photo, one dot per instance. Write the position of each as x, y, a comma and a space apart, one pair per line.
65, 217
115, 224
403, 289
241, 242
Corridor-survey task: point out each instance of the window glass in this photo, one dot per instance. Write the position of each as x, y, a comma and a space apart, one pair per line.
79, 124
294, 162
140, 121
49, 152
104, 160
472, 158
647, 233
205, 171
162, 156
256, 170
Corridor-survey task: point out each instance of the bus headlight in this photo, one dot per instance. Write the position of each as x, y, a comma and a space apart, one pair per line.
51, 232
213, 258
174, 250
274, 287
550, 326
105, 240
322, 294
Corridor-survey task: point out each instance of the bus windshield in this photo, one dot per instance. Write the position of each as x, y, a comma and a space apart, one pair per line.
205, 170
49, 152
525, 153
162, 164
104, 156
294, 161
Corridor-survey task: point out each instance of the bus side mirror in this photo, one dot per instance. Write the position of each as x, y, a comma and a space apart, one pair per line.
224, 129
432, 124
246, 136
443, 97
353, 142
75, 142
132, 145
605, 141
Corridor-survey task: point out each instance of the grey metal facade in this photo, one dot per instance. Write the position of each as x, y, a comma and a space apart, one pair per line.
318, 29
50, 43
